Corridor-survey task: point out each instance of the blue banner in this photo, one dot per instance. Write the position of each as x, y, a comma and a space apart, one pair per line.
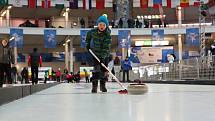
158, 35
124, 38
50, 38
165, 52
83, 38
157, 2
16, 38
192, 37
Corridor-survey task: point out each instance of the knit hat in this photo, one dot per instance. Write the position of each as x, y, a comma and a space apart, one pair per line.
103, 19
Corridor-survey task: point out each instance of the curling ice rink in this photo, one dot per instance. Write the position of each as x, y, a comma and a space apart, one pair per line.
74, 102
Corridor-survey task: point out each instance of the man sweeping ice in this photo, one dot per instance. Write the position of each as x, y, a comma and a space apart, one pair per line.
99, 41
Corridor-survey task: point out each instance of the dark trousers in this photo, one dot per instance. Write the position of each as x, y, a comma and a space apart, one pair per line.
99, 73
34, 74
127, 73
58, 78
24, 78
213, 60
87, 79
5, 68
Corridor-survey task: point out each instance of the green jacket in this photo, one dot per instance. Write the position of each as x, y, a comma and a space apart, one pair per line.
100, 43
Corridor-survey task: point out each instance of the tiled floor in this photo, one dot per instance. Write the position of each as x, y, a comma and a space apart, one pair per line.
74, 102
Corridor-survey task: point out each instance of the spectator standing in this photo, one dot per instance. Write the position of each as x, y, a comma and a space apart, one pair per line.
34, 61
126, 67
58, 75
6, 59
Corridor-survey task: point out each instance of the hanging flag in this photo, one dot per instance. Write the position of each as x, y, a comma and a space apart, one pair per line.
83, 38
73, 4
173, 3
157, 3
169, 3
16, 3
124, 38
50, 38
100, 4
32, 3
59, 4
3, 2
87, 4
184, 3
46, 3
144, 3
192, 37
17, 35
158, 35
161, 14
197, 3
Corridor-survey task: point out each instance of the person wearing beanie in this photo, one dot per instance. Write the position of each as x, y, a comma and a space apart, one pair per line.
99, 41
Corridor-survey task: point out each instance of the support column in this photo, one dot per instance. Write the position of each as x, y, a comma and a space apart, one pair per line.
71, 56
180, 47
67, 18
1, 21
180, 41
15, 55
124, 53
7, 17
179, 36
66, 56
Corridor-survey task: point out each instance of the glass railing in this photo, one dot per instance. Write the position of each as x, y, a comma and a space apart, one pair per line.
14, 22
201, 68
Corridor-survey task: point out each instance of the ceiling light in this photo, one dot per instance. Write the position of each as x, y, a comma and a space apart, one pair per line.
139, 43
3, 13
64, 14
11, 38
9, 7
67, 9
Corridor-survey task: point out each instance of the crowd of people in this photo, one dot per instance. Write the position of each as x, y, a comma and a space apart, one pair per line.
126, 23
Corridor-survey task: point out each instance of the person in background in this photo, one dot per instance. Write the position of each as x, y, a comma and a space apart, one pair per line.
53, 75
137, 23
69, 77
170, 58
111, 67
6, 59
46, 76
212, 49
126, 67
24, 74
34, 61
58, 75
116, 61
86, 76
120, 23
82, 22
14, 74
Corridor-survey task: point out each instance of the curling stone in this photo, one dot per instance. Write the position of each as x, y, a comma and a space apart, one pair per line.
137, 89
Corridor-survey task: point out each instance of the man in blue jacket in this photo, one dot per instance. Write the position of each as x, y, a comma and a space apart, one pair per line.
126, 66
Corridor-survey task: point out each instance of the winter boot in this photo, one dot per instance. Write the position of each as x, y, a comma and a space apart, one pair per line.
94, 86
102, 86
